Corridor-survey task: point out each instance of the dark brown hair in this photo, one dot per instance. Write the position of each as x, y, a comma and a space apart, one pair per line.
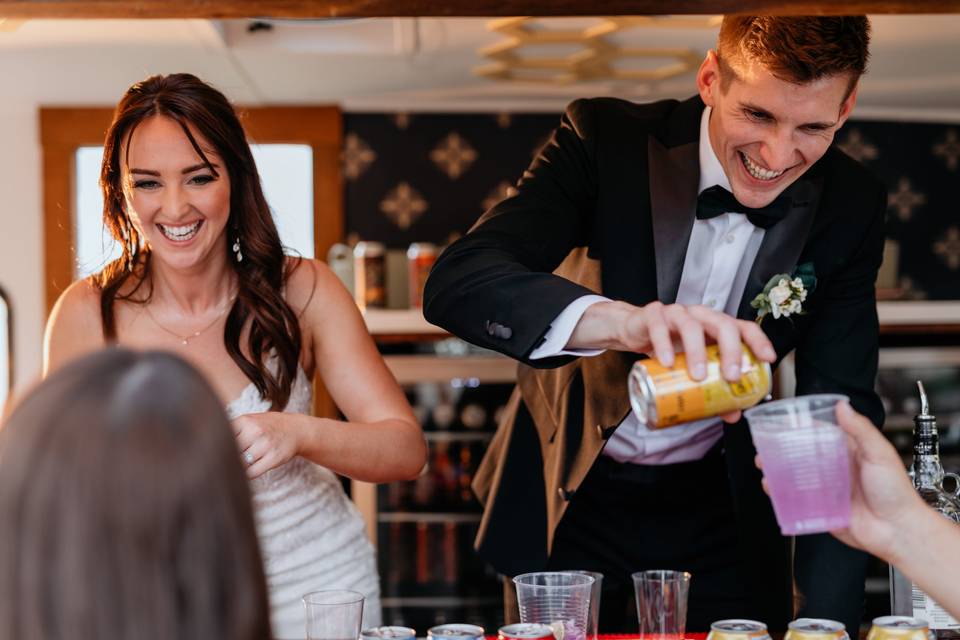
797, 49
190, 102
125, 510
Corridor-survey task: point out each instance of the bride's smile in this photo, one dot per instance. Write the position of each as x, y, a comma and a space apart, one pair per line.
179, 200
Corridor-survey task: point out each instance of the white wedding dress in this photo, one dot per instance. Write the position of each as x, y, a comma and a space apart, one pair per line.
311, 535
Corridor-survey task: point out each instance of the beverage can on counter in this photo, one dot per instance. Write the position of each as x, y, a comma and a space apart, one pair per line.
738, 630
420, 259
369, 273
666, 396
455, 632
899, 628
388, 633
816, 629
525, 631
340, 258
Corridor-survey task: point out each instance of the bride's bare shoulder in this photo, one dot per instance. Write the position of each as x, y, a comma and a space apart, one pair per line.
79, 303
74, 326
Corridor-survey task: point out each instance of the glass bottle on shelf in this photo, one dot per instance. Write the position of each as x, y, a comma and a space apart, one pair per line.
928, 476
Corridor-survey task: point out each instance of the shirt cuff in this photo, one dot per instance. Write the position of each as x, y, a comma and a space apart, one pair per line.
556, 337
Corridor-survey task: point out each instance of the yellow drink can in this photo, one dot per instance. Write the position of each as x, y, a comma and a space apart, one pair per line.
667, 396
738, 630
816, 629
899, 628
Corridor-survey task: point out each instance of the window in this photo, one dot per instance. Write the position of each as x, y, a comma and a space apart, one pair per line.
6, 349
94, 245
286, 175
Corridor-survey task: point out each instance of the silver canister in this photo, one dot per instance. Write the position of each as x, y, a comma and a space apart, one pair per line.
388, 633
455, 632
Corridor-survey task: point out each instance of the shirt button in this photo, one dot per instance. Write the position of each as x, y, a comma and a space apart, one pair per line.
712, 302
730, 238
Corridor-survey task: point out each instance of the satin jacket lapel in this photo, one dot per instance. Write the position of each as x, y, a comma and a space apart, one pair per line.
783, 242
674, 179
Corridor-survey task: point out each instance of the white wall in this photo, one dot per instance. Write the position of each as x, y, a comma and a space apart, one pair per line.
21, 266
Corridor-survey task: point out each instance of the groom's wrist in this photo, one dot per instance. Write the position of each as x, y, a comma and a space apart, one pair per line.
602, 326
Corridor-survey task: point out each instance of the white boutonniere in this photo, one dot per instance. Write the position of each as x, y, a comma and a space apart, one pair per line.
785, 294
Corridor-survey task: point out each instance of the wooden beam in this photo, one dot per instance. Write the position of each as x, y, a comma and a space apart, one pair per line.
380, 8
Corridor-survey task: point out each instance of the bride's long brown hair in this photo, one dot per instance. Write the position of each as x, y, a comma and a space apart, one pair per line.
273, 326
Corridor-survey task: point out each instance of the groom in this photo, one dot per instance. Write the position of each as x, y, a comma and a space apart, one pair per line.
606, 254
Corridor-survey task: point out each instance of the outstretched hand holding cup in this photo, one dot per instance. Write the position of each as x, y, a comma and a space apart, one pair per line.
887, 517
882, 499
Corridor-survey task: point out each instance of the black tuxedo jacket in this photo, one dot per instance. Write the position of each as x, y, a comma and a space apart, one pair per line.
608, 207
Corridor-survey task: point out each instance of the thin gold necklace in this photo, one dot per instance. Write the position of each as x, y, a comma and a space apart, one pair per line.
185, 339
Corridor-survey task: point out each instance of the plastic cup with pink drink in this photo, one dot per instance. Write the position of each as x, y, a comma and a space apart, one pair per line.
805, 462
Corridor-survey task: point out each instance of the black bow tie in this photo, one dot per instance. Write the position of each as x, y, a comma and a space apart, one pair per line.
716, 200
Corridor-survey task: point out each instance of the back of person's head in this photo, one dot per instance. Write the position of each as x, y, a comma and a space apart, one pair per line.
124, 509
797, 49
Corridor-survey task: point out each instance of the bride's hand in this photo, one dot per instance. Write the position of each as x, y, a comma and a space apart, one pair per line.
264, 441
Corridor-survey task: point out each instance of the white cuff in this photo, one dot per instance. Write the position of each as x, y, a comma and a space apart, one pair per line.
555, 340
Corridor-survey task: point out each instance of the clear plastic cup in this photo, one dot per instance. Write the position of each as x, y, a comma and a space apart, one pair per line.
805, 462
333, 615
662, 603
593, 620
560, 599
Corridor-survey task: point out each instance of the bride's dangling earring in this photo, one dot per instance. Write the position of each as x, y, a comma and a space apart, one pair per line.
236, 250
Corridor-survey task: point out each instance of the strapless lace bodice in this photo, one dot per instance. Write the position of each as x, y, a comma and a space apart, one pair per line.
311, 535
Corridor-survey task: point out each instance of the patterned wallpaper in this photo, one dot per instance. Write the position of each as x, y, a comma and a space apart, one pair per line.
426, 177
920, 164
423, 177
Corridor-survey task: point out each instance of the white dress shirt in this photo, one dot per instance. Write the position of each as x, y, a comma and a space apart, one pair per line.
718, 261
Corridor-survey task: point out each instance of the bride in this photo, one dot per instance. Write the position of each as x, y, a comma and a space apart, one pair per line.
203, 274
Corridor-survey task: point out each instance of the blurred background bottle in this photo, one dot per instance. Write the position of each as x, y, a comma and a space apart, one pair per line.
906, 599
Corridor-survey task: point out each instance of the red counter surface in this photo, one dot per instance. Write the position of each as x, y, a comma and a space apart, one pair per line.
628, 636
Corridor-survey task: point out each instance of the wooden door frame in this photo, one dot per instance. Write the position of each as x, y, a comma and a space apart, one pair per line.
63, 130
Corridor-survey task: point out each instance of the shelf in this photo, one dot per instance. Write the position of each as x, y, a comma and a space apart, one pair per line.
919, 312
895, 316
457, 436
440, 602
399, 323
430, 368
433, 517
919, 357
908, 316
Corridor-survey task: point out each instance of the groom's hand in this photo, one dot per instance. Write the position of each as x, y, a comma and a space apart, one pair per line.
660, 331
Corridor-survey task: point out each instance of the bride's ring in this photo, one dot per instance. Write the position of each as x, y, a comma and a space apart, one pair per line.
248, 458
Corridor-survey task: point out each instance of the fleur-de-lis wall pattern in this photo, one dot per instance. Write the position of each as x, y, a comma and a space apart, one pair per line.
426, 177
920, 164
423, 177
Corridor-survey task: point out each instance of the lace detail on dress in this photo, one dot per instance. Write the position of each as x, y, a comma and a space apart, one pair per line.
311, 535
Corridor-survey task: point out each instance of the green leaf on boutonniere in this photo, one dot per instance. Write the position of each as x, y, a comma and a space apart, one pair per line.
805, 273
